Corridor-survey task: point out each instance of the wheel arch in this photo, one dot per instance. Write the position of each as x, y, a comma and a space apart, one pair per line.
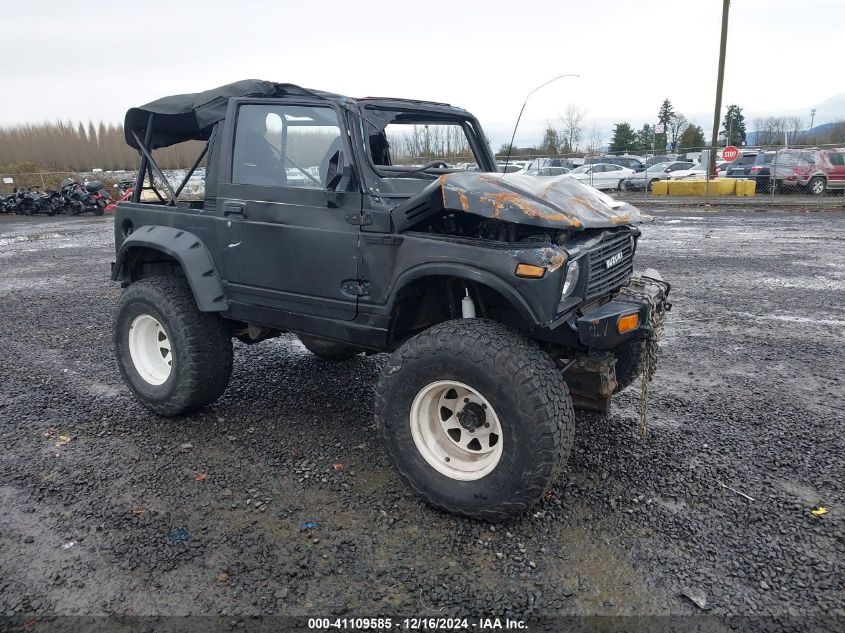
151, 247
432, 293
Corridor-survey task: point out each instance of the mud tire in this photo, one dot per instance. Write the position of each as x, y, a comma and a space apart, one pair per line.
201, 346
523, 386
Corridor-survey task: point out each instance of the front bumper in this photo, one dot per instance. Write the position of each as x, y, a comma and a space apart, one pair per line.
646, 295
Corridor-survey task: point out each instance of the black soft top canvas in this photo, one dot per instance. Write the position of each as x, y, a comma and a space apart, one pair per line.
192, 116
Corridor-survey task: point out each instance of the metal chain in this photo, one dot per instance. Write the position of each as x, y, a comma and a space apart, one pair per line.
651, 345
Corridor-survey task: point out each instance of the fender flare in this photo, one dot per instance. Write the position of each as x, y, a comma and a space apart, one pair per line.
187, 249
463, 271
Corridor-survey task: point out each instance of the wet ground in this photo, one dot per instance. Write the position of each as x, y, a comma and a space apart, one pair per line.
279, 498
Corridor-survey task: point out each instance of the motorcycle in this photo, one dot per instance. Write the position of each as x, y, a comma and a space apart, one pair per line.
8, 203
100, 195
81, 199
30, 201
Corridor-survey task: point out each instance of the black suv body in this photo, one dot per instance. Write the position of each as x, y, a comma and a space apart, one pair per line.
503, 298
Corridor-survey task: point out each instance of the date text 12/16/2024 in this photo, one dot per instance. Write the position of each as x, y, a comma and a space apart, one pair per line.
416, 624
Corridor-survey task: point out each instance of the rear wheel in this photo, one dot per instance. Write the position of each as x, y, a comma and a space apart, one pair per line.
816, 186
328, 350
174, 358
476, 418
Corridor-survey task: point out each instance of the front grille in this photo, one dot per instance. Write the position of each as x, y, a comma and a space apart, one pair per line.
603, 279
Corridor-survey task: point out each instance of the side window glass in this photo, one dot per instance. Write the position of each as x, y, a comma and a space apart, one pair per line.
281, 145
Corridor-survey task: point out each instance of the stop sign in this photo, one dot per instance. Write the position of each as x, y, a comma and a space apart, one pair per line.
730, 153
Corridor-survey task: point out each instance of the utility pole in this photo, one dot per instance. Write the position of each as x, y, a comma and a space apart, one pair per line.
812, 119
726, 5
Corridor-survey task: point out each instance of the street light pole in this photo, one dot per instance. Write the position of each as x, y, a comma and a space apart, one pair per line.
726, 5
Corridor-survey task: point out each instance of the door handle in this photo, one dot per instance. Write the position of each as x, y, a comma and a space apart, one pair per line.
233, 209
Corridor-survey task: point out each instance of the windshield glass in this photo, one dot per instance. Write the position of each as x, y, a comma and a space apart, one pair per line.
659, 167
581, 170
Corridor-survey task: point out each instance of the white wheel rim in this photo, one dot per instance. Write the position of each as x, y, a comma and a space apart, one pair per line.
456, 430
149, 347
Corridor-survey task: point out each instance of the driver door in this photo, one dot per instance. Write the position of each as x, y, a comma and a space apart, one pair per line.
286, 240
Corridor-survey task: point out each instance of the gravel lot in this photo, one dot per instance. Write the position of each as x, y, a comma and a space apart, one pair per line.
241, 509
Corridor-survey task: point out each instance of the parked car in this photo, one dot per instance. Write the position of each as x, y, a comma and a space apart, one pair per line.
548, 171
694, 171
630, 162
540, 163
602, 175
741, 167
659, 158
660, 171
812, 170
761, 171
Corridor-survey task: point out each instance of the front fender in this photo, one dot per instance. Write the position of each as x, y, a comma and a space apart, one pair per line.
475, 275
187, 249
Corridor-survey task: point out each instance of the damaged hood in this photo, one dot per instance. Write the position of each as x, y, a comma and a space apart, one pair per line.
555, 202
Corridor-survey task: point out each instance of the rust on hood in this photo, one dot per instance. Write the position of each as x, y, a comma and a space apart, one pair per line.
554, 202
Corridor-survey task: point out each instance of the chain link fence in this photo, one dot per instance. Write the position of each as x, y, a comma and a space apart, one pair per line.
796, 174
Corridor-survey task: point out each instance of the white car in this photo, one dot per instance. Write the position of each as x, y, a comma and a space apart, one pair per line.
696, 171
602, 175
660, 171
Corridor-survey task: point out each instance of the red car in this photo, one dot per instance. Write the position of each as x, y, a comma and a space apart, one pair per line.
813, 170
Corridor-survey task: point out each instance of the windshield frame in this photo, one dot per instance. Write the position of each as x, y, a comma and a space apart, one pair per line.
444, 116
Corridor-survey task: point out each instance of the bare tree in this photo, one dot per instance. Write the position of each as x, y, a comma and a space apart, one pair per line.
794, 126
572, 121
595, 141
677, 126
770, 130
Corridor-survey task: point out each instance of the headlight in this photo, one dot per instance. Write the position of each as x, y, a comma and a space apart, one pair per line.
571, 279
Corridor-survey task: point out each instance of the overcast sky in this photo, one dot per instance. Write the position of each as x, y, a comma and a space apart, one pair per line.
94, 60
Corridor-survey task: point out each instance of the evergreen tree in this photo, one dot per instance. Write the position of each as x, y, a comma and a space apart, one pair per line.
645, 138
551, 141
664, 116
733, 126
624, 138
692, 138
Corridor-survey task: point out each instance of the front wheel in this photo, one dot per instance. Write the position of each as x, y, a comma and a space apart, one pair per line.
621, 185
174, 358
476, 418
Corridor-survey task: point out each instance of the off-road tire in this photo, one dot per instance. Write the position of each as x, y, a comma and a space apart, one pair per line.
524, 387
328, 350
629, 364
201, 346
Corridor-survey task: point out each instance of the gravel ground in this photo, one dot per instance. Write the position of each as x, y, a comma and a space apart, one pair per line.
278, 499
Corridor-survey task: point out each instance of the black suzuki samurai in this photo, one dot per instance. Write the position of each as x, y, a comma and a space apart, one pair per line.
502, 298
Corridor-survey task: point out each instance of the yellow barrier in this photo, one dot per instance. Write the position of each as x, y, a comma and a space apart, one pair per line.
718, 187
660, 188
746, 188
